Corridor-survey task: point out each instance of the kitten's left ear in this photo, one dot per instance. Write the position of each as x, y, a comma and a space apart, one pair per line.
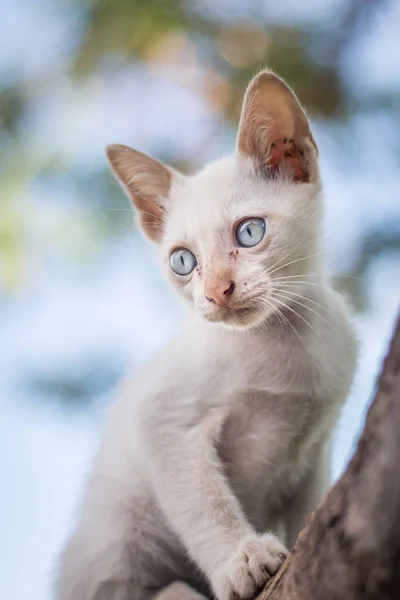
274, 130
147, 183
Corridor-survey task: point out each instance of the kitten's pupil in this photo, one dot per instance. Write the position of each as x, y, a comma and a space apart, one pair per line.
249, 231
182, 261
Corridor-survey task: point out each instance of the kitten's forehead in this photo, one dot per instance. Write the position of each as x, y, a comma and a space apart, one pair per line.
206, 205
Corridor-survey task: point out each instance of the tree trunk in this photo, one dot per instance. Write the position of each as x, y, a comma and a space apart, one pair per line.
350, 546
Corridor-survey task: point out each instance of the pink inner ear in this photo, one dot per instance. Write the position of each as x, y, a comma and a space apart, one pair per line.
285, 155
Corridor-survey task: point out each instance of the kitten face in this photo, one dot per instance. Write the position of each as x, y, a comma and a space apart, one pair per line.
230, 281
230, 234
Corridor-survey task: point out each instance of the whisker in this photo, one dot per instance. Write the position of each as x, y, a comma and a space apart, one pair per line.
304, 306
152, 215
278, 316
299, 315
292, 262
299, 283
289, 323
280, 259
319, 275
348, 277
300, 275
274, 310
145, 198
269, 272
127, 228
321, 306
282, 314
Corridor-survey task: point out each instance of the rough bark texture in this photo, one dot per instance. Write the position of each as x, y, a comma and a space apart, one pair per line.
350, 546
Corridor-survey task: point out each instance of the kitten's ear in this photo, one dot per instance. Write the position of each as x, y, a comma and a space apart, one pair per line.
147, 183
274, 130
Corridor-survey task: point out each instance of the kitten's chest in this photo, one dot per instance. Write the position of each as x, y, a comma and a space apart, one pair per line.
262, 428
267, 441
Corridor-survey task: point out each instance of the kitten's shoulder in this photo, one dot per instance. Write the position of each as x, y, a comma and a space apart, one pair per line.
183, 366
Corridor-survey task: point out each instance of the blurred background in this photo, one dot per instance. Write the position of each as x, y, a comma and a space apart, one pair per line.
81, 299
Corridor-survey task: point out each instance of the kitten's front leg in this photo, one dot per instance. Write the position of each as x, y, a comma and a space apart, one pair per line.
193, 492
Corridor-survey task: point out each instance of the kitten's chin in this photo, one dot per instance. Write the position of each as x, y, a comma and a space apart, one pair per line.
239, 318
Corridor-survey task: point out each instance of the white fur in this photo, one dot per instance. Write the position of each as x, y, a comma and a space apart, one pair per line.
223, 437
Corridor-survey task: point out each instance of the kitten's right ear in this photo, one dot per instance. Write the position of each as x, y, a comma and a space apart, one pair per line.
147, 183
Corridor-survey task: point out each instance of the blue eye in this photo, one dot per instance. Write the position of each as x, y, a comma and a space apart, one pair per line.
182, 261
250, 232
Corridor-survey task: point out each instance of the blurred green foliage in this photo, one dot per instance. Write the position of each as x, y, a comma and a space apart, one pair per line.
203, 45
158, 33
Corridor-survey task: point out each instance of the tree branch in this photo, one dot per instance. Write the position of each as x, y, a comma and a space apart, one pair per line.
350, 546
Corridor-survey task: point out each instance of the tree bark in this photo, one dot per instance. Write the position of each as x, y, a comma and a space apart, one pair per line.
350, 546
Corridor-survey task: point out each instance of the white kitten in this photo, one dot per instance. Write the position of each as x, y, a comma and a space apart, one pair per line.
223, 437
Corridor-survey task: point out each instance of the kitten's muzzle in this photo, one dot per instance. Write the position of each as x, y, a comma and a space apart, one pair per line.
220, 292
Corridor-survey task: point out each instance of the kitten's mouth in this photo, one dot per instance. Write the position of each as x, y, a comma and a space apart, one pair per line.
238, 317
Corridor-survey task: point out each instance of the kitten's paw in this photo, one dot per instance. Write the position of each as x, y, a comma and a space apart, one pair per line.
244, 574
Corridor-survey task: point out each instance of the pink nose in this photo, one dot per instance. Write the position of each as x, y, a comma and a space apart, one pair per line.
219, 292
